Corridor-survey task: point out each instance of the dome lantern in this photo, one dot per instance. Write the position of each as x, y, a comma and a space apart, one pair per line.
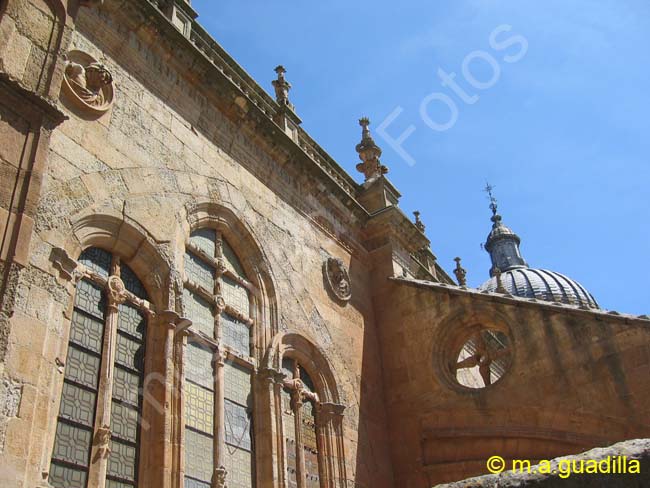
511, 274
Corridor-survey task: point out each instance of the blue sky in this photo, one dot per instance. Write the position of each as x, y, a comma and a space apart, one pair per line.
562, 133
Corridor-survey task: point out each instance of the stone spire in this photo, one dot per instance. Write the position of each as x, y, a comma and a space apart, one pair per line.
502, 243
282, 87
369, 153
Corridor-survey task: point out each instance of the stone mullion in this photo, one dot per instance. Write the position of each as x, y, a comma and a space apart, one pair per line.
329, 423
101, 439
280, 433
323, 435
219, 377
301, 472
173, 326
180, 350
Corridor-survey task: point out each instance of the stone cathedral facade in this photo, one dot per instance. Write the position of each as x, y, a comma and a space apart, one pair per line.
194, 294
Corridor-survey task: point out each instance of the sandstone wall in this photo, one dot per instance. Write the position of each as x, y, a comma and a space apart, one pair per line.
577, 380
167, 145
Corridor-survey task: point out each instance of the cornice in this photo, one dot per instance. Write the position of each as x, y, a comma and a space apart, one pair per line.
220, 67
597, 314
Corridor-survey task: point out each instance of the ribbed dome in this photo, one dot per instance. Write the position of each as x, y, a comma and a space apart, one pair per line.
542, 285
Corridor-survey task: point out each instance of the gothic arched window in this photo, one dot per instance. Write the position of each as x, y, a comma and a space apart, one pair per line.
98, 428
299, 401
217, 365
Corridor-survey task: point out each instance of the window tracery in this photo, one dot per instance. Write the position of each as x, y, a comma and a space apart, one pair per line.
98, 426
218, 365
300, 402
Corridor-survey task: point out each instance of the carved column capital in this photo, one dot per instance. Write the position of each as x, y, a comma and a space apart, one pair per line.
68, 268
219, 477
172, 320
219, 357
329, 411
272, 376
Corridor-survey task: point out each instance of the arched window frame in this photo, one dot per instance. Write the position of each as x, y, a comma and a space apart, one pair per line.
218, 278
264, 312
323, 394
115, 297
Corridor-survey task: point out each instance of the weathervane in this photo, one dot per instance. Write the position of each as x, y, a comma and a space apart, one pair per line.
493, 201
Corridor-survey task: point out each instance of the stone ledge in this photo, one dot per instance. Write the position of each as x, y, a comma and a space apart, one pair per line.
638, 449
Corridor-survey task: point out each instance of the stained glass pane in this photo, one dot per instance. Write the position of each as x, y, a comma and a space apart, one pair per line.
131, 320
309, 427
204, 239
287, 367
65, 477
232, 263
126, 386
235, 295
237, 384
235, 334
305, 378
199, 311
121, 462
198, 365
310, 445
199, 408
117, 484
199, 272
129, 353
190, 483
98, 260
87, 332
77, 405
82, 367
198, 455
90, 299
131, 282
239, 464
72, 444
124, 422
237, 426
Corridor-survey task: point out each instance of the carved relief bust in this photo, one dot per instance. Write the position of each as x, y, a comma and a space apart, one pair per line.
338, 278
88, 83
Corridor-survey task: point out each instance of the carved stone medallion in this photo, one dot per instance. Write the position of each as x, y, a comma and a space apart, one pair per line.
116, 290
338, 278
88, 83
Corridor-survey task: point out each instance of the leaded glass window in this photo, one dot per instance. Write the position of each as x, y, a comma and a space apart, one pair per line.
299, 400
214, 276
95, 329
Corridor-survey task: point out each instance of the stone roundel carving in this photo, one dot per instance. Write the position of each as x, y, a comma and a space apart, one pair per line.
338, 278
116, 289
88, 83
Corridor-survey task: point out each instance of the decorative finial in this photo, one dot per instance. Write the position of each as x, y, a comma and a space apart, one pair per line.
418, 222
497, 273
282, 87
369, 153
460, 273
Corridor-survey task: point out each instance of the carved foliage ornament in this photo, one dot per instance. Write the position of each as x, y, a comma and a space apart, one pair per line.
338, 279
88, 83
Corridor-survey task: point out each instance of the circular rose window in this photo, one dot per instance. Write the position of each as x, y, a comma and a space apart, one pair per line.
483, 359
